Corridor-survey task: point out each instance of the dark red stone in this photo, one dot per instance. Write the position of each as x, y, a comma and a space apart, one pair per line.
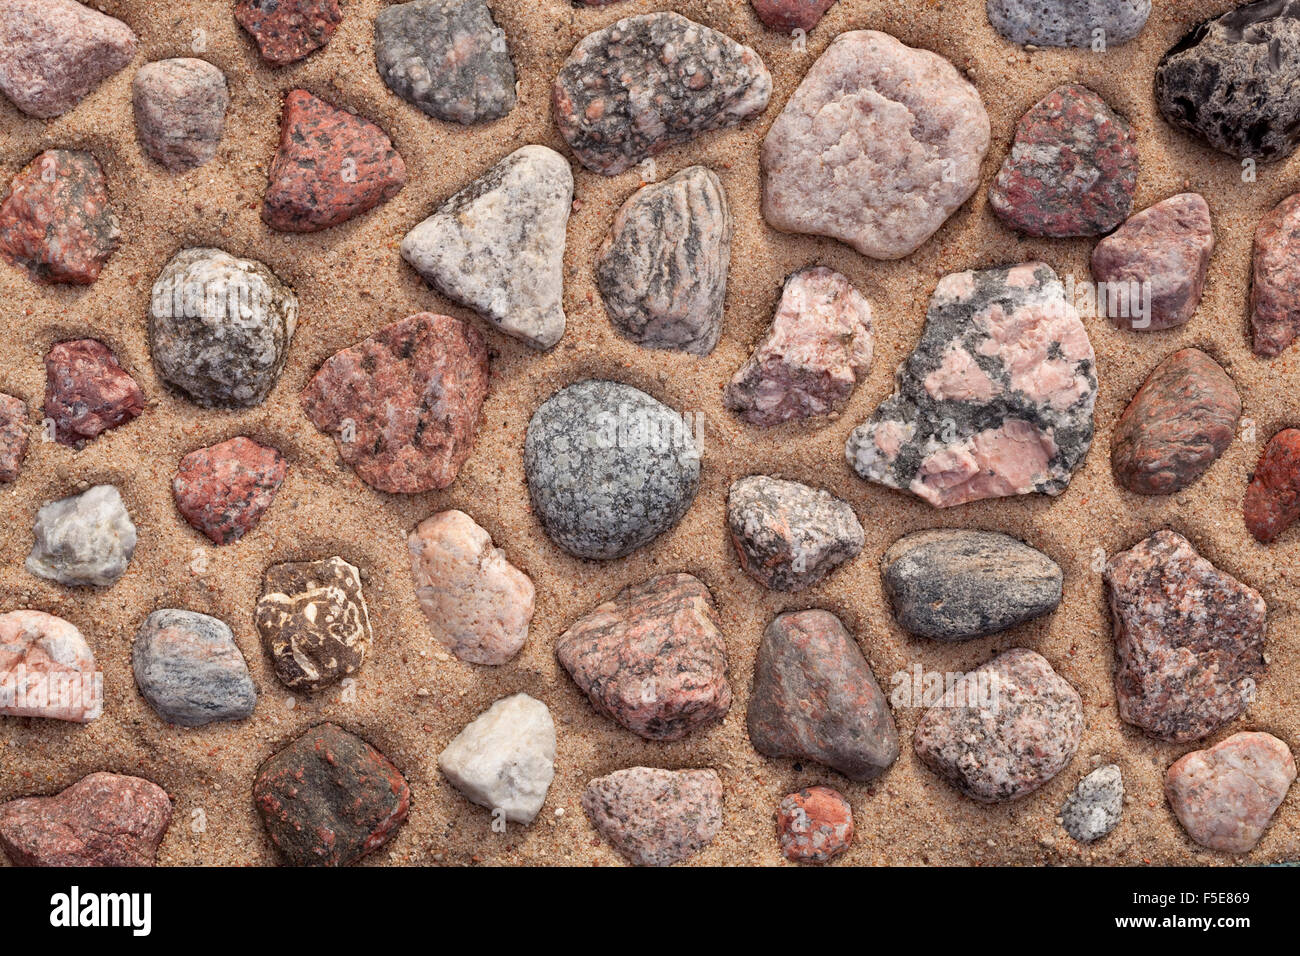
1273, 496
225, 489
791, 14
87, 392
13, 436
288, 30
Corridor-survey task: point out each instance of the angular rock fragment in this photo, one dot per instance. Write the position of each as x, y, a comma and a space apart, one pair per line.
87, 392
504, 759
1093, 24
224, 490
1095, 805
190, 670
814, 825
791, 15
655, 817
84, 539
14, 432
1275, 284
288, 30
180, 108
1273, 496
47, 669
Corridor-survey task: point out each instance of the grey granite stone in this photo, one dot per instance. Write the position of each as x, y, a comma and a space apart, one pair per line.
190, 670
1095, 805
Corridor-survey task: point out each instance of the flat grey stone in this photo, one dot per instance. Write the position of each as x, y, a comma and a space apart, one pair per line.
190, 670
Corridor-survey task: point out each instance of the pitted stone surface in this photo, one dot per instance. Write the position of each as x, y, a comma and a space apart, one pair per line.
814, 825
288, 30
1095, 805
1077, 23
224, 490
87, 392
656, 817
1273, 496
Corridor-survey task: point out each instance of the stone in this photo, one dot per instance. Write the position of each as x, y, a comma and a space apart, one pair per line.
1273, 495
56, 223
104, 819
1069, 22
330, 798
879, 145
814, 698
223, 490
180, 108
87, 392
331, 166
1003, 730
996, 400
504, 759
289, 30
14, 432
1225, 797
789, 536
53, 53
814, 825
1274, 299
220, 327
662, 270
1095, 805
403, 405
190, 670
1230, 81
790, 15
1072, 169
609, 468
84, 539
478, 604
646, 83
655, 817
1180, 421
818, 349
1162, 255
47, 669
653, 659
497, 246
1189, 639
957, 584
313, 622
448, 58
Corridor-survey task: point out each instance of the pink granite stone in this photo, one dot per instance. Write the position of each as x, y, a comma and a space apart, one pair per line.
87, 392
47, 669
14, 432
1275, 286
656, 817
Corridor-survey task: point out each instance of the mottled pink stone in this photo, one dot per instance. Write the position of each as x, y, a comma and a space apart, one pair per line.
656, 817
1275, 286
46, 669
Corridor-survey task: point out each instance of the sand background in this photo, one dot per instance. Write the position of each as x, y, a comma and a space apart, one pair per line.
411, 698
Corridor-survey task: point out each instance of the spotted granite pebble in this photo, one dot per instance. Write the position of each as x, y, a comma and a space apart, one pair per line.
84, 539
790, 15
14, 432
288, 30
47, 669
655, 817
814, 825
223, 490
1095, 805
1077, 23
180, 108
1273, 495
1275, 284
87, 392
504, 759
190, 670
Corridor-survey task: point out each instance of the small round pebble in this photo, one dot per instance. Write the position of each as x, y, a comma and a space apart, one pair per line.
814, 825
83, 539
1095, 806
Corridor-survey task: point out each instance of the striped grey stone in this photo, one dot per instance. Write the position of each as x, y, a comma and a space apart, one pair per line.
190, 670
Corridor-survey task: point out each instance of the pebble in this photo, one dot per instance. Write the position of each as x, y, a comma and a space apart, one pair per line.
504, 759
656, 817
954, 585
180, 108
224, 490
403, 405
653, 659
331, 166
790, 15
1225, 797
14, 432
609, 468
447, 57
190, 670
289, 30
84, 539
814, 698
56, 223
478, 604
220, 327
53, 53
650, 82
814, 825
313, 621
879, 145
1095, 805
789, 536
1002, 730
330, 798
1069, 22
497, 246
1273, 496
1189, 639
662, 270
818, 349
104, 819
1180, 421
997, 399
47, 669
1275, 284
87, 392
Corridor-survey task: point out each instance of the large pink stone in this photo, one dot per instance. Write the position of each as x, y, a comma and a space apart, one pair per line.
47, 669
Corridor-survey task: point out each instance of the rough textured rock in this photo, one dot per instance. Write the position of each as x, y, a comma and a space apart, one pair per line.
1225, 797
83, 539
497, 246
14, 431
1189, 639
609, 468
104, 819
224, 490
879, 145
313, 621
47, 669
649, 82
1002, 730
87, 392
1273, 496
190, 670
1180, 421
329, 798
953, 585
331, 166
1069, 22
789, 536
1164, 249
997, 398
403, 405
653, 659
814, 825
447, 57
53, 53
180, 108
1095, 805
504, 759
220, 327
56, 223
662, 270
791, 14
656, 817
815, 698
288, 30
1072, 169
1274, 295
479, 605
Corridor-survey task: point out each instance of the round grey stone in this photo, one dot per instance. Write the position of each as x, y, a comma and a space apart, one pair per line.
1094, 807
1069, 22
190, 670
83, 539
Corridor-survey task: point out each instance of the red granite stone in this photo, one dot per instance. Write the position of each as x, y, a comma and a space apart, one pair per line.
288, 30
224, 490
13, 436
814, 825
87, 392
791, 14
1273, 496
1275, 284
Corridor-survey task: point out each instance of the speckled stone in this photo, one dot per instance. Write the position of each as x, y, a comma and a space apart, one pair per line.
1069, 22
504, 759
14, 432
1095, 805
180, 108
1275, 283
224, 490
288, 30
1273, 495
47, 669
791, 15
814, 825
87, 392
84, 539
655, 817
190, 670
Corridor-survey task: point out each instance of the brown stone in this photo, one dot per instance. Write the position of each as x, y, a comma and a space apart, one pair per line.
1275, 286
656, 817
87, 392
224, 490
1273, 496
14, 432
288, 30
814, 825
47, 669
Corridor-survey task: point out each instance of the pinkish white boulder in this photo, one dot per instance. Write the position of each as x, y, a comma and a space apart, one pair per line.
47, 669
